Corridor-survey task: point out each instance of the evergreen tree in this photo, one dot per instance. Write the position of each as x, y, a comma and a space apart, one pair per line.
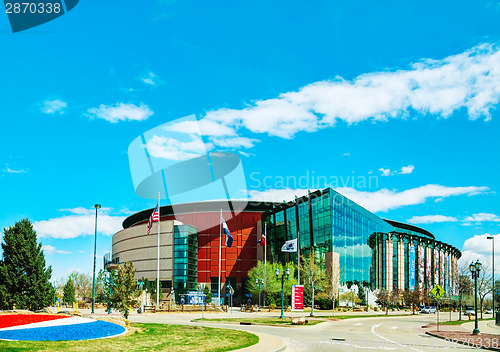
362, 294
24, 278
69, 292
208, 295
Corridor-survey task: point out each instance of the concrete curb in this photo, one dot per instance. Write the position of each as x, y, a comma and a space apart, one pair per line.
460, 342
266, 343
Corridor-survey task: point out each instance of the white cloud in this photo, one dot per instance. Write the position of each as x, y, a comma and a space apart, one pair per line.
149, 79
379, 201
173, 149
121, 112
12, 171
54, 106
385, 172
49, 250
482, 217
204, 127
468, 81
346, 154
84, 211
384, 200
72, 226
234, 142
479, 247
430, 219
405, 170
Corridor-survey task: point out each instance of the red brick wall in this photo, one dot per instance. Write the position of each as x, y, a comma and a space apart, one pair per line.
237, 260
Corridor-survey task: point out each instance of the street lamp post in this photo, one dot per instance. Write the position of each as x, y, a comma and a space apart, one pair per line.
277, 272
493, 269
96, 206
475, 269
259, 285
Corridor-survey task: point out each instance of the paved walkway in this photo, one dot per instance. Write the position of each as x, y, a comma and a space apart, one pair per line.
486, 327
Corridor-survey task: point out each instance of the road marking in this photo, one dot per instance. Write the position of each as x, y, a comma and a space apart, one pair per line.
366, 347
385, 338
358, 324
393, 327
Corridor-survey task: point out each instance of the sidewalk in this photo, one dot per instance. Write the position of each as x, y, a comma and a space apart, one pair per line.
266, 343
486, 327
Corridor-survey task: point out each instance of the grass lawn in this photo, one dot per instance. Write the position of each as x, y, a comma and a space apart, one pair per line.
366, 316
148, 337
460, 322
265, 321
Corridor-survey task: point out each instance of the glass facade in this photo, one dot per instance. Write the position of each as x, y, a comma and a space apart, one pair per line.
326, 221
403, 261
185, 257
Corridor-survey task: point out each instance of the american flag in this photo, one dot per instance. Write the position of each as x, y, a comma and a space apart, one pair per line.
155, 216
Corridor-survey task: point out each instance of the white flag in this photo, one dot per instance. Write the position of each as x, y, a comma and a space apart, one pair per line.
290, 246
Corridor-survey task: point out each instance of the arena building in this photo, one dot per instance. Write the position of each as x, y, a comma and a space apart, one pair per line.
371, 251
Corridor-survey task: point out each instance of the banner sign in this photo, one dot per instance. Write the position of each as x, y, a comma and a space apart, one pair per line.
297, 297
412, 267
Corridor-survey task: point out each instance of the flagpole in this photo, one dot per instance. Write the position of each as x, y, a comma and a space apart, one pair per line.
158, 261
220, 246
265, 246
298, 257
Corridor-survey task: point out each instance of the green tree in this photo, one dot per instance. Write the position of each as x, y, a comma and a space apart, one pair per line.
208, 295
350, 297
100, 287
24, 277
150, 287
311, 269
69, 292
362, 294
272, 286
125, 289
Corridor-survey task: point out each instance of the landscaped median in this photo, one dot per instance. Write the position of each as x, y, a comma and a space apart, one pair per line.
149, 337
259, 321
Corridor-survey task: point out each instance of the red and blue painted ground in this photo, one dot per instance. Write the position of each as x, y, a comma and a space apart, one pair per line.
47, 327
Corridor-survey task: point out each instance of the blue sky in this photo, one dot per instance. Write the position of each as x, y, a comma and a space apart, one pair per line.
406, 93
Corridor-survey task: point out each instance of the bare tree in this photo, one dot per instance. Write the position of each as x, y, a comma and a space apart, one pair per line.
464, 286
483, 285
311, 270
331, 285
412, 298
83, 284
383, 299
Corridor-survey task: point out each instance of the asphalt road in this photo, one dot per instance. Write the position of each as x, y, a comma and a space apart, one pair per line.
398, 333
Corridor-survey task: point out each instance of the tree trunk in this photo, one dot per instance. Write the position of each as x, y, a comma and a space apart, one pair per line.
460, 307
333, 305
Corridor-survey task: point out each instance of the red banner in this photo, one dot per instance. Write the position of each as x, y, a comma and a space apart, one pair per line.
297, 297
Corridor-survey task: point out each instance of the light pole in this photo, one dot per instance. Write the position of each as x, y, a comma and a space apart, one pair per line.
493, 278
366, 297
475, 269
277, 272
96, 206
259, 285
140, 283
